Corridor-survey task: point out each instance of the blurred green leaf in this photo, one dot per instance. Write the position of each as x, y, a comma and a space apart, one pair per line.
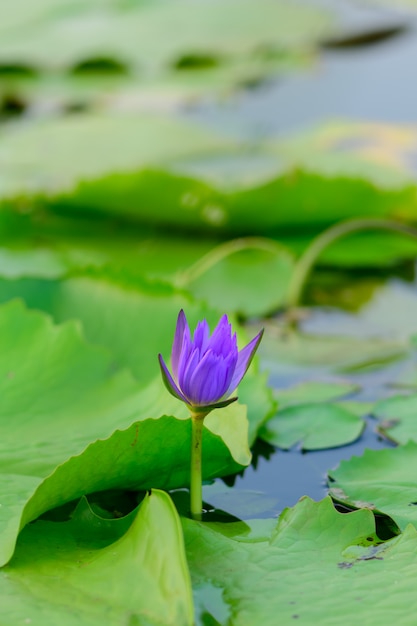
294, 354
154, 51
397, 418
158, 171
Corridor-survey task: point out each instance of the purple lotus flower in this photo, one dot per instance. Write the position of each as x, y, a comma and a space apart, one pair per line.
206, 369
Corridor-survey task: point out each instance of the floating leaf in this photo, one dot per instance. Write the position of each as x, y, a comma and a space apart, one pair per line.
141, 52
156, 170
382, 480
315, 426
153, 33
397, 418
93, 147
359, 408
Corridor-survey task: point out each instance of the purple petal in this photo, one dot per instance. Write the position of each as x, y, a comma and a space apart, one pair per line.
187, 368
243, 361
169, 381
186, 352
206, 380
221, 341
181, 329
211, 378
201, 336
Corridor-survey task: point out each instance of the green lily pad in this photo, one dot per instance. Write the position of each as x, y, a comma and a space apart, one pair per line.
155, 170
359, 408
153, 34
397, 418
91, 522
141, 53
62, 573
314, 426
319, 566
104, 147
382, 480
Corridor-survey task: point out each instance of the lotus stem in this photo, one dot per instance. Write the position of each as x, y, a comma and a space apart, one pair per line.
307, 260
196, 487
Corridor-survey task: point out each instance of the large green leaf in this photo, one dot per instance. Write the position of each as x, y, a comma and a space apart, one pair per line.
61, 154
314, 426
173, 173
153, 33
65, 419
382, 480
151, 52
62, 574
319, 566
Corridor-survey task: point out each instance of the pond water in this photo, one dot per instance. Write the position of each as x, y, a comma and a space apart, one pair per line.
372, 82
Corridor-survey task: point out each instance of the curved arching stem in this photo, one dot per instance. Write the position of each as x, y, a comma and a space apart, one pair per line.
224, 250
307, 260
